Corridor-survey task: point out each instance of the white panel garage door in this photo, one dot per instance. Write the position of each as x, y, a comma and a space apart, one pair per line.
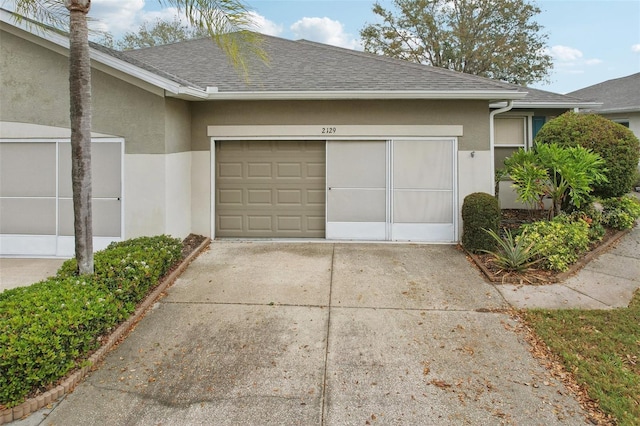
270, 189
400, 190
36, 208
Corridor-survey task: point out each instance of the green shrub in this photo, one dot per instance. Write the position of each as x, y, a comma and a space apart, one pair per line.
621, 212
48, 328
514, 254
616, 144
480, 211
130, 267
560, 242
593, 217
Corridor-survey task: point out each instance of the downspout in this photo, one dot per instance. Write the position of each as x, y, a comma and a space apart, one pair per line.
492, 142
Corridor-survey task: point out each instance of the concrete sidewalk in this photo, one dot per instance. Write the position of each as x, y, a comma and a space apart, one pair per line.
322, 334
16, 272
607, 282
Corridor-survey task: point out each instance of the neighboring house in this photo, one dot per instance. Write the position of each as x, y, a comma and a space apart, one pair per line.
619, 98
323, 142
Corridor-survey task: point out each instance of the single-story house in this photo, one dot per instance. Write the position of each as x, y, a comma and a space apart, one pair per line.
619, 100
321, 142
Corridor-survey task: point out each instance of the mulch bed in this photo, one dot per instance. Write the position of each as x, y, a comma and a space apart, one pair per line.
512, 219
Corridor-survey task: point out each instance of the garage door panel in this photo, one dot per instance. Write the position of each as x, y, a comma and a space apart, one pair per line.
259, 170
28, 216
289, 170
28, 170
232, 197
290, 223
289, 196
229, 170
259, 196
270, 189
230, 223
259, 223
316, 197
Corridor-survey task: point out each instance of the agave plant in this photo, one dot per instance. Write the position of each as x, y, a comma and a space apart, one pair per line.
513, 254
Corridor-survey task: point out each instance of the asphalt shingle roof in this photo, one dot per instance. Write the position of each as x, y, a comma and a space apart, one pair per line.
305, 66
619, 94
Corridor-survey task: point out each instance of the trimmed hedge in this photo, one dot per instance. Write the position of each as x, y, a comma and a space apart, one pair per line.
480, 211
616, 144
49, 328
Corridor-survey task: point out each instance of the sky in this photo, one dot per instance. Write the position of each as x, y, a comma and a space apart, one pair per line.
590, 41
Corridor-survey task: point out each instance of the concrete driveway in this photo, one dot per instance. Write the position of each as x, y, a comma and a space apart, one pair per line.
322, 334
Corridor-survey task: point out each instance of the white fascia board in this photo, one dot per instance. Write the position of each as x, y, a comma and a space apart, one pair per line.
368, 94
622, 110
539, 105
103, 58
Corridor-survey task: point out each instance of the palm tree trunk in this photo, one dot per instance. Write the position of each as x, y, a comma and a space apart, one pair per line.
80, 117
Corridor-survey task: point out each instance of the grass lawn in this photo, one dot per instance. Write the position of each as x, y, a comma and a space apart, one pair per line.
602, 350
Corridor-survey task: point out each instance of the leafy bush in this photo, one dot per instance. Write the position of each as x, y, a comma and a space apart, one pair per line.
564, 174
621, 212
479, 211
48, 328
616, 144
594, 219
560, 241
514, 254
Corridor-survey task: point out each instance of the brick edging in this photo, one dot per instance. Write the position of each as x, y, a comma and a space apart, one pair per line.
69, 383
489, 276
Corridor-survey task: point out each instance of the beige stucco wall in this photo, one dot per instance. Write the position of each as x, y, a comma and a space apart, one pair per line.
35, 90
473, 115
158, 195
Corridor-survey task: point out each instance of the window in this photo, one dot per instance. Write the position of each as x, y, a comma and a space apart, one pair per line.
510, 135
625, 123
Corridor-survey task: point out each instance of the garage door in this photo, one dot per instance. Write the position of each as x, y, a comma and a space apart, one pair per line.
36, 207
270, 189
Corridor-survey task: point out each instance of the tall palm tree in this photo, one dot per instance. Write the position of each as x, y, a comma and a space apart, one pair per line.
225, 20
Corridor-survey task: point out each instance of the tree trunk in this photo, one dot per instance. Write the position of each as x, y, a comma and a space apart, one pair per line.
80, 116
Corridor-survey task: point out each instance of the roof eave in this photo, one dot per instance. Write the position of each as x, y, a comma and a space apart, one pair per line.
548, 105
367, 94
623, 110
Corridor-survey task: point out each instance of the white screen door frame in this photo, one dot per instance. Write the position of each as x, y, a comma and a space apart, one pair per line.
401, 189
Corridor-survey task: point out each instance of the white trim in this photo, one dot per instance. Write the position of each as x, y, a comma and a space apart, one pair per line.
492, 142
369, 94
332, 131
547, 104
431, 232
212, 172
364, 231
